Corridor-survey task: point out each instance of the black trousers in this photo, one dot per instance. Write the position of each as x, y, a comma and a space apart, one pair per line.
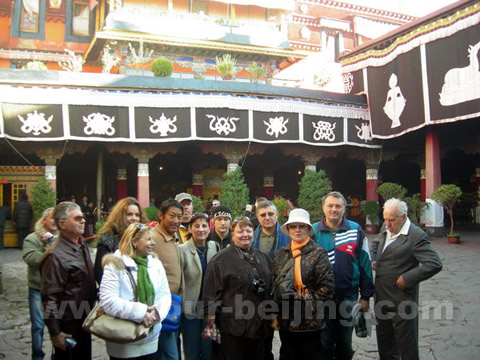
238, 348
302, 345
83, 349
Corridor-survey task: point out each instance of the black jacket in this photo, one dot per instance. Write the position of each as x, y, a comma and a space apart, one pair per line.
22, 214
317, 276
68, 285
230, 281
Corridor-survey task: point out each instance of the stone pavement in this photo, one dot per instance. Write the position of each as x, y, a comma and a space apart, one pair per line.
452, 333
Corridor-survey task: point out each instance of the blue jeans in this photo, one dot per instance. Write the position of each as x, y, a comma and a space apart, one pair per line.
337, 337
194, 346
36, 318
167, 346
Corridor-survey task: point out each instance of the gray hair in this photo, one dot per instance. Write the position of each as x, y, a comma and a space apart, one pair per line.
39, 224
399, 205
335, 194
62, 210
265, 204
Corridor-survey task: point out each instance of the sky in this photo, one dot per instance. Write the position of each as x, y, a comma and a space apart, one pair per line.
409, 7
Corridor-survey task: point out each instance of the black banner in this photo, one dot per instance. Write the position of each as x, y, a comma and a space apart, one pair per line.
395, 94
275, 126
322, 129
164, 123
98, 121
223, 123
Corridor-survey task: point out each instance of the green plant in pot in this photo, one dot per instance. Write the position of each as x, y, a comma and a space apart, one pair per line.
226, 66
162, 67
390, 190
371, 209
447, 195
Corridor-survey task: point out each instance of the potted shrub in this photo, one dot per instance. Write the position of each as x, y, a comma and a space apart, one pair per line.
226, 66
371, 210
447, 196
390, 190
416, 208
162, 67
313, 186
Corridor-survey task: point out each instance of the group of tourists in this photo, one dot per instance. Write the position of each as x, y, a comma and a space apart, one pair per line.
238, 283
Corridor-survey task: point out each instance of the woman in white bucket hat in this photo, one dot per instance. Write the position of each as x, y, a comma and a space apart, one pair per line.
302, 281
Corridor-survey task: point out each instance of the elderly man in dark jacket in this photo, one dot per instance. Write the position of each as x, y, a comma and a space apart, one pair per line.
22, 216
68, 285
404, 257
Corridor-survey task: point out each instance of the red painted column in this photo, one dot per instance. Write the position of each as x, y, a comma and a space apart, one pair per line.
121, 183
371, 184
268, 188
422, 185
197, 185
433, 177
477, 186
143, 184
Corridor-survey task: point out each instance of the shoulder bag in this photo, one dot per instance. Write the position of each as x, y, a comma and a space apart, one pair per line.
172, 320
113, 329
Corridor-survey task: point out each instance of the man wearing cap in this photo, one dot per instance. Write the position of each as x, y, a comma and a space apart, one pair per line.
268, 238
222, 217
347, 249
187, 203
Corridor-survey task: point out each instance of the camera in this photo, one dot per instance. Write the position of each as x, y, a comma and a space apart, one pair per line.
70, 343
259, 286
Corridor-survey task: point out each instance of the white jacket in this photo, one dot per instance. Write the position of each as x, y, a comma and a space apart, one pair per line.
117, 299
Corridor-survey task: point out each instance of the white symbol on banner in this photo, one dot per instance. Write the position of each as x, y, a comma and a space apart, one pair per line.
395, 102
363, 132
221, 124
163, 125
347, 82
462, 84
99, 124
276, 125
324, 130
36, 123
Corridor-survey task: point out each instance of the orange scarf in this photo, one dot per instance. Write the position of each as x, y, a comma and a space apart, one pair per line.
296, 248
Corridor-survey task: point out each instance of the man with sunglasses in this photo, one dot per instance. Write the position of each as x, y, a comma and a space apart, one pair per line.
68, 285
268, 238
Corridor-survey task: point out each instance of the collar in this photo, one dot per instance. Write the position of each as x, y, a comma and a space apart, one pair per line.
403, 230
165, 234
344, 225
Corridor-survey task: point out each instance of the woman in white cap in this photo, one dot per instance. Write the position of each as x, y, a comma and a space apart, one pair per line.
302, 281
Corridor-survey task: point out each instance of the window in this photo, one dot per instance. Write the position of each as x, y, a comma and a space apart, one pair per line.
81, 19
29, 19
79, 24
29, 16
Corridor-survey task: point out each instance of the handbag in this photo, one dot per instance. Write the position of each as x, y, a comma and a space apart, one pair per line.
120, 331
282, 287
172, 320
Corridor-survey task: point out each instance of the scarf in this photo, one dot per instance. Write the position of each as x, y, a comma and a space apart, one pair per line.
146, 293
296, 248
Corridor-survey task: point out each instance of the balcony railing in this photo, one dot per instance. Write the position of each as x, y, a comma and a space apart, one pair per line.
197, 26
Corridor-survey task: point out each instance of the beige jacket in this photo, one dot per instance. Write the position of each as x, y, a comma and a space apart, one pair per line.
167, 251
192, 273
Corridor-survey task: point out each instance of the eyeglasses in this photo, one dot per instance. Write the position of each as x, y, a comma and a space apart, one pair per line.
298, 226
79, 218
140, 226
241, 218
